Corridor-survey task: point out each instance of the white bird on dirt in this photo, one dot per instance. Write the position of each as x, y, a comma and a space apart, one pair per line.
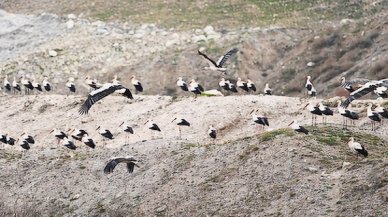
308, 84
88, 141
357, 148
242, 84
58, 134
68, 143
383, 112
116, 79
373, 116
218, 66
46, 84
231, 86
77, 134
130, 161
326, 111
102, 92
295, 126
105, 134
182, 84
15, 86
6, 83
314, 110
36, 85
27, 85
259, 119
152, 126
70, 85
346, 114
212, 132
251, 85
136, 83
180, 122
267, 90
127, 129
195, 88
223, 84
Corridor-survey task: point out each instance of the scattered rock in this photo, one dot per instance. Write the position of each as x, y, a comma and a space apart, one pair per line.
310, 64
161, 209
70, 24
52, 53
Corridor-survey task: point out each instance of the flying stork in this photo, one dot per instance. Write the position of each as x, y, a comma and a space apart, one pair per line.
218, 66
357, 148
354, 84
295, 126
365, 89
130, 161
102, 92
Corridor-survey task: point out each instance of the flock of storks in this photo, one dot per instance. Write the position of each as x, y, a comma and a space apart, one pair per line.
356, 87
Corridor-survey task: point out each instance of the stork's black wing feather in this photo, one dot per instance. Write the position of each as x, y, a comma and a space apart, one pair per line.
97, 95
127, 93
200, 88
110, 166
225, 57
204, 55
131, 166
357, 94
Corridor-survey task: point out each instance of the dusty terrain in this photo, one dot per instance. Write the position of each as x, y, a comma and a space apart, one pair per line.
246, 171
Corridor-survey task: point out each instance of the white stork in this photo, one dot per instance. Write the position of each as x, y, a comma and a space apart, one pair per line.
152, 126
326, 111
312, 93
381, 92
105, 134
46, 84
6, 83
15, 86
308, 84
314, 110
259, 119
77, 134
102, 92
70, 85
88, 141
383, 112
7, 139
68, 143
195, 88
365, 89
27, 85
130, 161
251, 85
180, 122
212, 132
231, 86
223, 84
92, 83
241, 84
267, 90
373, 116
295, 126
36, 85
127, 130
357, 148
182, 84
218, 66
346, 113
354, 84
136, 83
58, 134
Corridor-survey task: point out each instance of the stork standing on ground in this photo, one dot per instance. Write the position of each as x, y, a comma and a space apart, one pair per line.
46, 84
231, 86
7, 139
312, 93
267, 90
251, 86
314, 110
308, 84
365, 89
36, 85
212, 132
6, 83
195, 88
383, 112
152, 126
27, 85
130, 161
102, 92
295, 126
136, 83
346, 114
182, 84
58, 134
259, 119
105, 134
180, 122
68, 143
70, 85
223, 84
241, 84
373, 116
88, 141
127, 130
357, 148
77, 134
15, 86
218, 66
326, 111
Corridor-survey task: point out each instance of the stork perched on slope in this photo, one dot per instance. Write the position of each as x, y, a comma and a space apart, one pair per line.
27, 85
212, 132
383, 112
267, 90
15, 86
58, 134
105, 133
6, 83
373, 116
295, 126
88, 141
259, 119
127, 130
130, 161
251, 85
36, 84
182, 84
242, 84
218, 66
357, 148
180, 122
195, 88
136, 83
70, 85
314, 110
346, 113
46, 84
365, 89
102, 92
326, 111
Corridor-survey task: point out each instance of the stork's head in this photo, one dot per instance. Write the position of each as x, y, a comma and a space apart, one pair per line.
343, 80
